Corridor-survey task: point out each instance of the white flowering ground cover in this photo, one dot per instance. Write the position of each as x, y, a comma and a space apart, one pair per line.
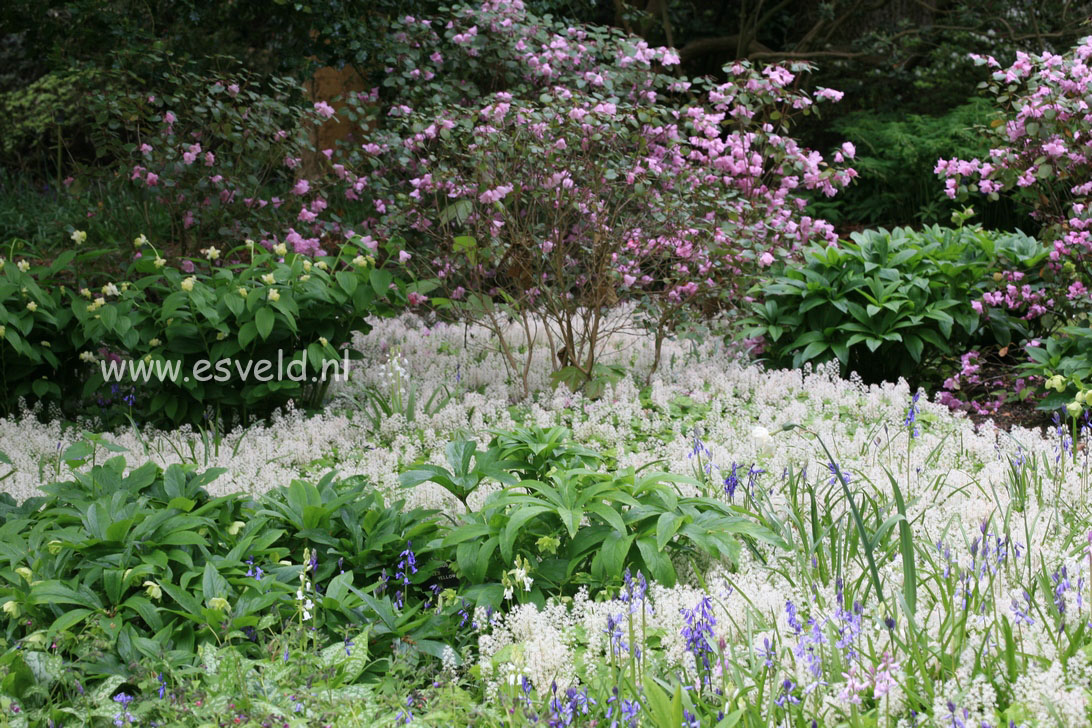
952, 590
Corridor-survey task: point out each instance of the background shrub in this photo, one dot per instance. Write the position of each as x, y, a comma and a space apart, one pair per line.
889, 303
896, 156
245, 305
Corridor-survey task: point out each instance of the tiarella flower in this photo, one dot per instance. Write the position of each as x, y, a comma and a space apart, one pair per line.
762, 438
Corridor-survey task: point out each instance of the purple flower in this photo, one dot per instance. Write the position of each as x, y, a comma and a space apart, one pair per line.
731, 482
698, 629
912, 415
786, 695
794, 622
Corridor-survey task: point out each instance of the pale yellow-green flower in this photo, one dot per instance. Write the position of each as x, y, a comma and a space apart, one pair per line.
11, 609
324, 341
235, 527
24, 572
307, 266
54, 547
360, 261
1074, 408
140, 241
23, 265
85, 292
32, 306
154, 341
153, 590
187, 283
78, 236
3, 330
304, 278
280, 248
322, 265
242, 291
159, 262
274, 294
268, 279
219, 603
212, 253
220, 336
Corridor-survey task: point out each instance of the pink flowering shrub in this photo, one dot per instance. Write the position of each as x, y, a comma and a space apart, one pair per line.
1043, 153
562, 172
221, 160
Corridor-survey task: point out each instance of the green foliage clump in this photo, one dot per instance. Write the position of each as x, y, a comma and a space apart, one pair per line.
890, 303
1064, 363
38, 115
243, 335
127, 572
561, 520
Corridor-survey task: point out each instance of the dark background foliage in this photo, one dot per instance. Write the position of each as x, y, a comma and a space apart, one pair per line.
903, 64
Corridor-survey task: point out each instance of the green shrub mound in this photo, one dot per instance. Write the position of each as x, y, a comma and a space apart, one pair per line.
888, 303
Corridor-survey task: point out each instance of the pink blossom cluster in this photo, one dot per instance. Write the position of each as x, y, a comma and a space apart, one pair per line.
1044, 145
213, 190
970, 378
1019, 299
584, 163
1043, 152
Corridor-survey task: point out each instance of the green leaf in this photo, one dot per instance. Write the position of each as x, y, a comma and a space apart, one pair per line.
347, 281
68, 620
212, 584
516, 521
659, 565
263, 321
247, 332
666, 527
